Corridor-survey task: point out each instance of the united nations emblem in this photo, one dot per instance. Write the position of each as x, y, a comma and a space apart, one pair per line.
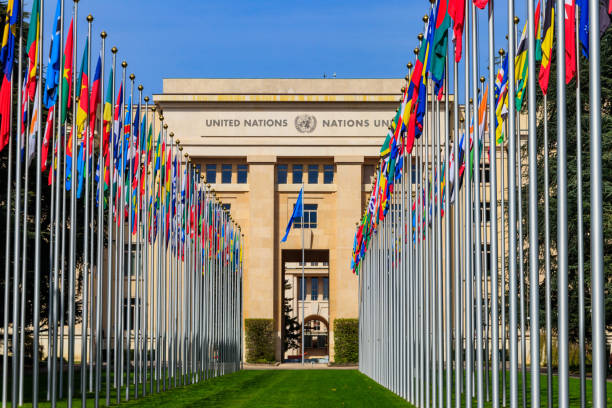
305, 123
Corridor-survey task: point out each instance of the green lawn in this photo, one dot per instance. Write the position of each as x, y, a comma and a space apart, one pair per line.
294, 388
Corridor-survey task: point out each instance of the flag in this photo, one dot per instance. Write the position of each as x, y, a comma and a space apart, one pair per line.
47, 139
570, 40
67, 74
7, 55
521, 68
94, 99
69, 161
33, 128
456, 10
440, 40
107, 114
604, 17
82, 86
32, 49
547, 45
298, 211
481, 4
53, 67
538, 33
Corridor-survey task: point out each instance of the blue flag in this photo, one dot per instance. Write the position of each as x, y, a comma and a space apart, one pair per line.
53, 67
297, 213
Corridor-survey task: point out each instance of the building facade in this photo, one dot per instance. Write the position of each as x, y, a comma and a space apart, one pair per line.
258, 141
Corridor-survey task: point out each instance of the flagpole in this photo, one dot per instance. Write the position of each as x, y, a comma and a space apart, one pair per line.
36, 319
580, 233
303, 283
447, 237
456, 235
120, 271
16, 255
128, 195
597, 268
109, 274
100, 225
136, 230
562, 238
86, 300
493, 215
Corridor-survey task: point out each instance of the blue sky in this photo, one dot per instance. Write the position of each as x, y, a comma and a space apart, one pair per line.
265, 38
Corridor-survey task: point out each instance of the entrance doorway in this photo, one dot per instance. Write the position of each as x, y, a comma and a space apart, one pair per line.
312, 302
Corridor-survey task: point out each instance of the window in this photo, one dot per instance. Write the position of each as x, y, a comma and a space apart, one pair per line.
198, 169
314, 288
328, 174
226, 206
211, 173
486, 206
226, 173
487, 173
302, 294
129, 306
281, 173
242, 174
313, 174
310, 217
297, 173
368, 174
325, 288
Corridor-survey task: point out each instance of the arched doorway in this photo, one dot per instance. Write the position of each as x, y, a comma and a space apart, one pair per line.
316, 339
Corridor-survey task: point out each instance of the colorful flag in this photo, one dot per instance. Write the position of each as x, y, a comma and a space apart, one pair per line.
47, 139
94, 100
538, 33
570, 40
53, 67
82, 86
33, 128
32, 49
7, 55
521, 68
440, 40
456, 10
547, 45
108, 112
67, 74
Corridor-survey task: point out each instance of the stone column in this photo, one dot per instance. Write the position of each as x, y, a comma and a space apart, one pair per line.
260, 279
343, 285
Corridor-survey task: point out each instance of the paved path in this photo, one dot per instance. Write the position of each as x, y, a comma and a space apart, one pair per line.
297, 366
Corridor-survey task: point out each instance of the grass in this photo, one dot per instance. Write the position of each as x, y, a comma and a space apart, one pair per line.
296, 388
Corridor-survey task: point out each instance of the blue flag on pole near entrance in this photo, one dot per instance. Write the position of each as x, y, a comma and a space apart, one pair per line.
297, 213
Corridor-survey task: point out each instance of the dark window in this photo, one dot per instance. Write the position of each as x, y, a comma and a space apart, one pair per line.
368, 173
487, 173
325, 288
226, 173
242, 173
226, 206
281, 173
302, 293
328, 174
211, 173
198, 169
297, 173
129, 306
314, 288
486, 206
313, 173
310, 217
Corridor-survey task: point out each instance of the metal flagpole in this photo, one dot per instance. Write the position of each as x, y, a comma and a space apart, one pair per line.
146, 243
493, 216
597, 271
581, 306
73, 223
100, 225
562, 278
120, 269
456, 235
136, 231
36, 319
303, 283
85, 271
512, 210
534, 298
476, 213
127, 194
503, 258
16, 249
109, 277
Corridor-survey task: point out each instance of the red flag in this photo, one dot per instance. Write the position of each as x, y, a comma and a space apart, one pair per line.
45, 145
456, 9
570, 40
481, 4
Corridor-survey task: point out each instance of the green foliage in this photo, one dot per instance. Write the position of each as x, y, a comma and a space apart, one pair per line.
292, 335
572, 180
346, 340
259, 340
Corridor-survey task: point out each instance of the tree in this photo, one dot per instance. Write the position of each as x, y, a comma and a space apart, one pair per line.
291, 339
572, 227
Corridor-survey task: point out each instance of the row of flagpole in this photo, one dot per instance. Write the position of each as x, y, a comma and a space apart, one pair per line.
435, 266
146, 257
